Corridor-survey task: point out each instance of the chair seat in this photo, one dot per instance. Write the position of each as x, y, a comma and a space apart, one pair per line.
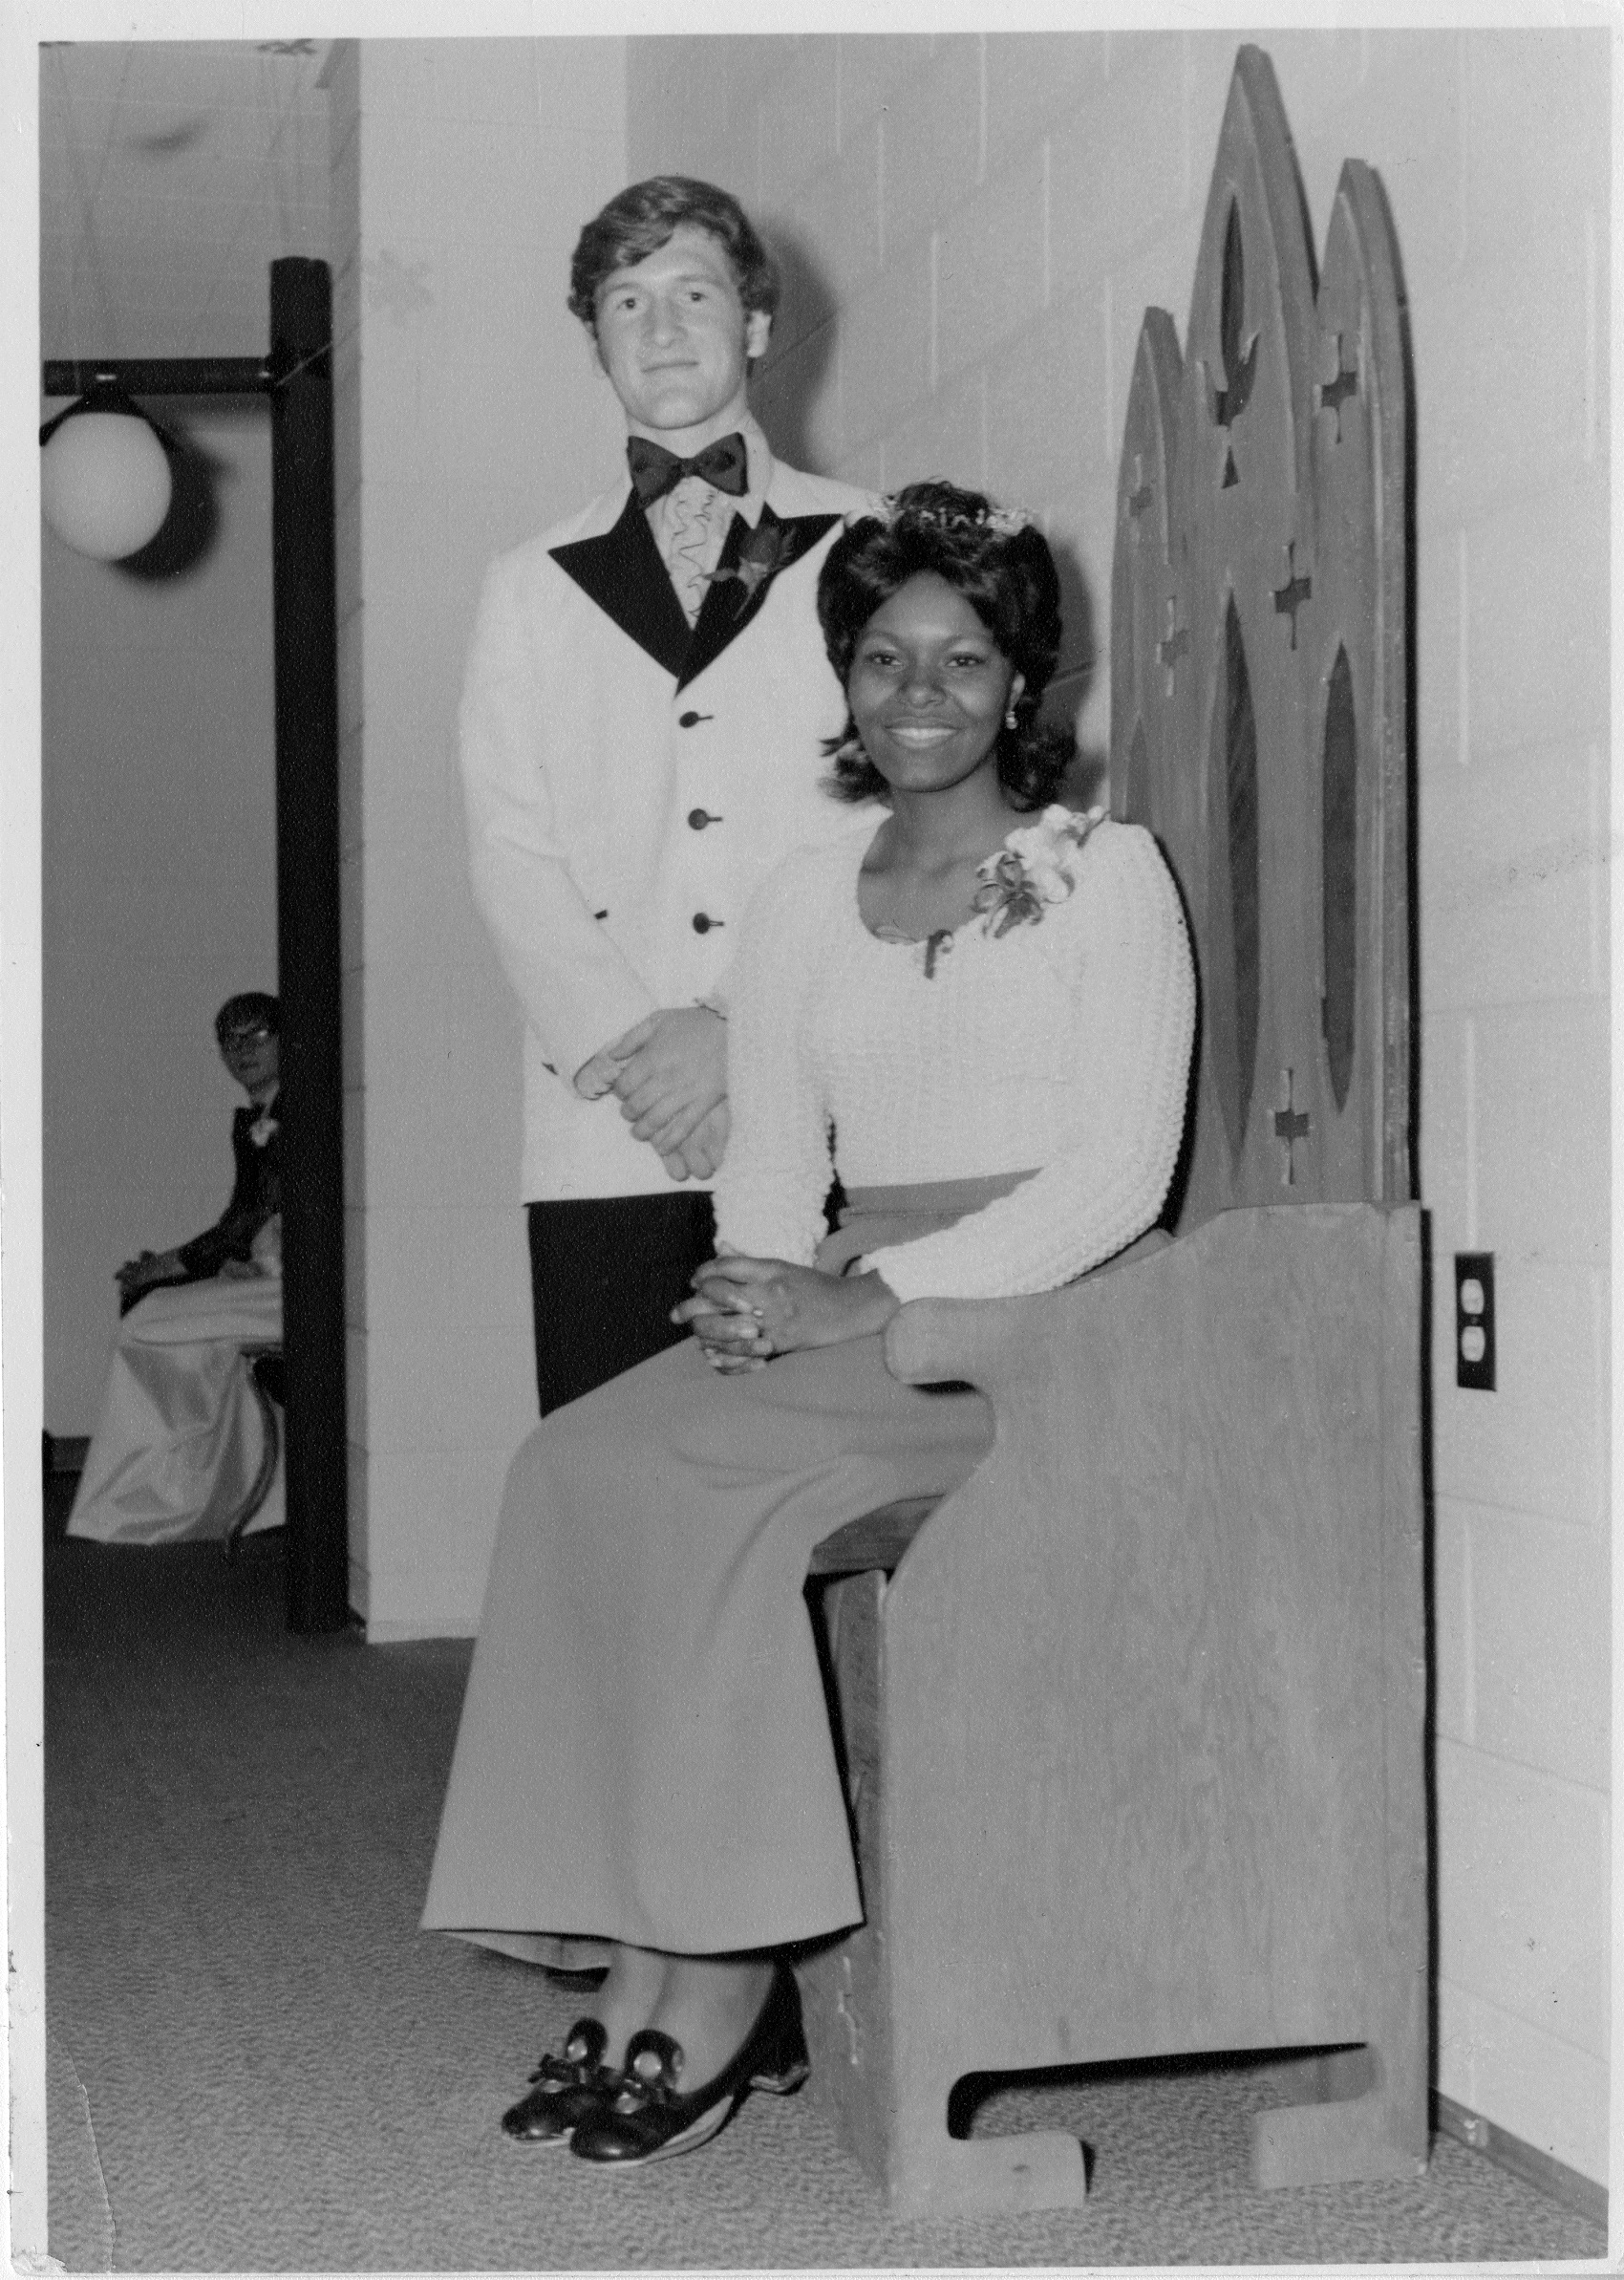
879, 1539
268, 1372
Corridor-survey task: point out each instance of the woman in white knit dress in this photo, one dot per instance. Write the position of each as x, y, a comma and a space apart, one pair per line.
981, 1016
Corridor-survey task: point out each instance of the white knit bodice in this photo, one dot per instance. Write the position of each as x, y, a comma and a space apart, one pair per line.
1060, 1048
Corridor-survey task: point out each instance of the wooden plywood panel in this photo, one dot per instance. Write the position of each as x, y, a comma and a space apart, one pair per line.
1259, 670
1203, 1805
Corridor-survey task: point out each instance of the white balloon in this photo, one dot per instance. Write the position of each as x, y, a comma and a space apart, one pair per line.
104, 483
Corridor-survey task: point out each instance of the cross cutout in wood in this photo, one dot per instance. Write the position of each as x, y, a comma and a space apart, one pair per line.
1334, 393
1291, 1125
1175, 646
1298, 588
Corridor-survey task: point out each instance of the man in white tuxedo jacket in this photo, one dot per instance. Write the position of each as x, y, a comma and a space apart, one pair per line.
641, 741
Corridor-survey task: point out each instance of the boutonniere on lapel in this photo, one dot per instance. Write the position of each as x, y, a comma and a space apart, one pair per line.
262, 1127
770, 546
1032, 869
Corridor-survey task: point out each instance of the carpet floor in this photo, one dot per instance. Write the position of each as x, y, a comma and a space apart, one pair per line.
258, 2063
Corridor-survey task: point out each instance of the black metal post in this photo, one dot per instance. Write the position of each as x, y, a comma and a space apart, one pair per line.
308, 963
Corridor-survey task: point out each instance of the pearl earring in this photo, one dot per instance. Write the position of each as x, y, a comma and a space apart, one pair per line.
1010, 721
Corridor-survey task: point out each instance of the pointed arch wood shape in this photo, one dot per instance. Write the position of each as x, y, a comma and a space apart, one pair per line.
1262, 475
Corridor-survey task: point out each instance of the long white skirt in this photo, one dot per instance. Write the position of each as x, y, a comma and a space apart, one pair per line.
645, 1753
180, 1435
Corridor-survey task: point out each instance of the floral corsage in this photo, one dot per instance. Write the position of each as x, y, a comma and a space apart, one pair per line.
1031, 869
766, 551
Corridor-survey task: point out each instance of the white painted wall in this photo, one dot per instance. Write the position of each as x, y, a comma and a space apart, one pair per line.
987, 218
468, 418
160, 893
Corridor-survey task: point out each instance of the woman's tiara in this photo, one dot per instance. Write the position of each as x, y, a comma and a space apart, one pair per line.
1002, 521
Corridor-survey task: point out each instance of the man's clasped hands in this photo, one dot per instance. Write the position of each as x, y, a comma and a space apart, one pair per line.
669, 1072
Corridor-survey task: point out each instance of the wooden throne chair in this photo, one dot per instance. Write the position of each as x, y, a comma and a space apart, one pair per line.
1134, 1731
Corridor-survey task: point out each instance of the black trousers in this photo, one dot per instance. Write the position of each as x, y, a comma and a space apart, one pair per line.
604, 1274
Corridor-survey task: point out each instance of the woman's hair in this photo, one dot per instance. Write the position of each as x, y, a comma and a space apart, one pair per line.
1002, 566
642, 219
251, 1009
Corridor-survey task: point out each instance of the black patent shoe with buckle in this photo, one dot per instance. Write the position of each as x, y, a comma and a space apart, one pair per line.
563, 2090
651, 2118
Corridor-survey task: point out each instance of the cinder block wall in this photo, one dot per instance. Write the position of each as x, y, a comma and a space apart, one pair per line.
465, 415
973, 228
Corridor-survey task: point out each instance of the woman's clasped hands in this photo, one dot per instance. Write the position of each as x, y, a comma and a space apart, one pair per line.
745, 1310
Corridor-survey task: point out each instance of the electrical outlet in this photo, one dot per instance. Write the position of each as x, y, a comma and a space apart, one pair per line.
1474, 1319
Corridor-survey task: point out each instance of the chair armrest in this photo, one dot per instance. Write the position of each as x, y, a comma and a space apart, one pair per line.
933, 1340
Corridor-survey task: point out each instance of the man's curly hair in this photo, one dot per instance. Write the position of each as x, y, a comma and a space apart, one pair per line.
644, 217
1006, 574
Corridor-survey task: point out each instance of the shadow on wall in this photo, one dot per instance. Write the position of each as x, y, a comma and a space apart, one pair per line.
187, 534
803, 333
1073, 684
804, 330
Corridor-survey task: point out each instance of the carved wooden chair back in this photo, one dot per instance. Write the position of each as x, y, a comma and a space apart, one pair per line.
1259, 705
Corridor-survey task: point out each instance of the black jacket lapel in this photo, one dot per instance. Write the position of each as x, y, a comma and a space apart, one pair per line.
622, 573
749, 562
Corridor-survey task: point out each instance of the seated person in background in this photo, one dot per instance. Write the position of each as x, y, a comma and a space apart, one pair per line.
179, 1438
247, 1029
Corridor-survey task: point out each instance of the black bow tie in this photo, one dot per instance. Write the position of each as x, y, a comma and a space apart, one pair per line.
655, 470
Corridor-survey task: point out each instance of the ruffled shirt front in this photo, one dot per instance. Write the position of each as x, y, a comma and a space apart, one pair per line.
1059, 1047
